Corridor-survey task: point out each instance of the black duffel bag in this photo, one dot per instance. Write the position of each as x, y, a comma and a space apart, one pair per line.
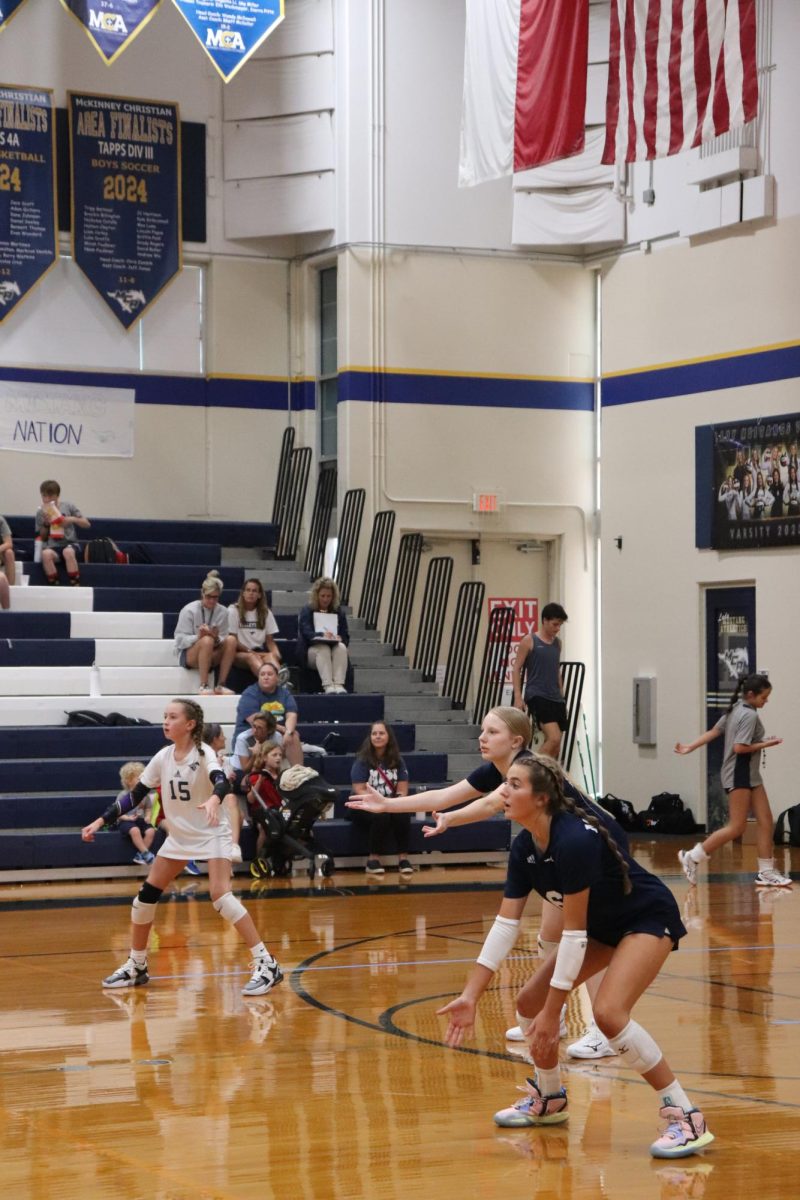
667, 814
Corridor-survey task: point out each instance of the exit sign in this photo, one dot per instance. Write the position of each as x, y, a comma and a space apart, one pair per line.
485, 502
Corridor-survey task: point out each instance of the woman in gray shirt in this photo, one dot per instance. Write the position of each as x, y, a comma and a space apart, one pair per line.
741, 779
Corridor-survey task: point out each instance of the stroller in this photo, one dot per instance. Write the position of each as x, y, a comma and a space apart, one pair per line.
304, 795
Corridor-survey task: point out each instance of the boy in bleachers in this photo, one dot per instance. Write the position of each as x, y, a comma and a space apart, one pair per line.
8, 566
134, 824
56, 520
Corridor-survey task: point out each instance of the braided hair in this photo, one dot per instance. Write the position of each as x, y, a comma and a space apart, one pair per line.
194, 713
547, 777
756, 683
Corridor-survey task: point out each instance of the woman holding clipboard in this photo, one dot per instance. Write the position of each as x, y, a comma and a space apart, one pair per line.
323, 636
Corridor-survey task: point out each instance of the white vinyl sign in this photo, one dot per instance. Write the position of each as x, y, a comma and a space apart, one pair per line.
45, 418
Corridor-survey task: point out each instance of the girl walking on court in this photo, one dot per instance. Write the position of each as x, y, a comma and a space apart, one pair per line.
617, 917
192, 787
741, 779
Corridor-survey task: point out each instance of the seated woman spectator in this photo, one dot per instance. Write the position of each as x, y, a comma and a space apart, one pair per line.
201, 631
268, 696
379, 765
262, 728
323, 636
251, 633
8, 565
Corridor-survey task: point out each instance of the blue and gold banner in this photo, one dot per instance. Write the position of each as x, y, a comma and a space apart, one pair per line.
27, 191
231, 30
126, 198
111, 24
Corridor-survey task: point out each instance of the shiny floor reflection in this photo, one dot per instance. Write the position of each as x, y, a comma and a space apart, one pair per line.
337, 1084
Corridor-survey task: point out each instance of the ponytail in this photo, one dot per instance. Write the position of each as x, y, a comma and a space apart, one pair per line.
194, 713
756, 683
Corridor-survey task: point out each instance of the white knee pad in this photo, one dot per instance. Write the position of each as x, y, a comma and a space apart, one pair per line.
141, 913
229, 908
543, 947
636, 1048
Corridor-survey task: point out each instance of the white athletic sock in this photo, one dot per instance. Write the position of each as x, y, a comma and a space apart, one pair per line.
260, 951
766, 864
139, 957
549, 1082
698, 853
673, 1096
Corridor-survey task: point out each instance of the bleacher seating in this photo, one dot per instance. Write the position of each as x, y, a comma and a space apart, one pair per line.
58, 644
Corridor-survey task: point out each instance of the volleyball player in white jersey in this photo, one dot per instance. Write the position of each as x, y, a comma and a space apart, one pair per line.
192, 786
505, 734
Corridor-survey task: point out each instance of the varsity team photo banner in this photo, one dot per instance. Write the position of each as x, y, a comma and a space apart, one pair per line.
27, 192
231, 30
126, 198
111, 24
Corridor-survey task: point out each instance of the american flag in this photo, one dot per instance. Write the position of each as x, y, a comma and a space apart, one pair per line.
681, 72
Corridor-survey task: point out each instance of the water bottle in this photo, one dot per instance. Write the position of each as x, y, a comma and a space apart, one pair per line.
94, 681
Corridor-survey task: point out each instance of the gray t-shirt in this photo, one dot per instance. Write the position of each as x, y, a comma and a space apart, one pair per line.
43, 524
741, 726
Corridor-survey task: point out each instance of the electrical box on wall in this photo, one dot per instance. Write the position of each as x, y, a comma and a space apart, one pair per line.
644, 710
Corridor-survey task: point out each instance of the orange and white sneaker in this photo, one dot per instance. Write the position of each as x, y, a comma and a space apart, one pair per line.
685, 1134
533, 1109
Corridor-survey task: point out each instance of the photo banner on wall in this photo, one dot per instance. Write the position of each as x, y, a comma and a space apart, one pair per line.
126, 198
756, 492
28, 223
7, 10
111, 25
231, 30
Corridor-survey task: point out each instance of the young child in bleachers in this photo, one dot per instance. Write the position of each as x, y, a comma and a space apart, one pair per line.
135, 824
7, 563
262, 795
56, 520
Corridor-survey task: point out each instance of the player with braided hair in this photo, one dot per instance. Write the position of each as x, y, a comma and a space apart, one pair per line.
192, 786
617, 917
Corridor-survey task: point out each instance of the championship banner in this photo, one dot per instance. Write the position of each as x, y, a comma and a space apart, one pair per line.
231, 30
28, 247
7, 10
111, 25
55, 418
126, 198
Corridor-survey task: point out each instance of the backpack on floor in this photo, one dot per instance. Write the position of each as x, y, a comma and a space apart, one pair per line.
103, 550
622, 811
787, 827
667, 814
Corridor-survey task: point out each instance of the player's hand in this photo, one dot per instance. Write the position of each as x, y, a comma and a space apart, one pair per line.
211, 808
773, 741
371, 801
460, 1015
442, 820
682, 748
543, 1034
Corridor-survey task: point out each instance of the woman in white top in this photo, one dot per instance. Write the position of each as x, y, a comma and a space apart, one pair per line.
192, 787
251, 633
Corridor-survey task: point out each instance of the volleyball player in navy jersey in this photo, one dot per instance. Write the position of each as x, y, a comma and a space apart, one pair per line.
505, 734
617, 917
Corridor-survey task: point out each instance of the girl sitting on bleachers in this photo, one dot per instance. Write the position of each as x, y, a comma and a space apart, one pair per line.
251, 634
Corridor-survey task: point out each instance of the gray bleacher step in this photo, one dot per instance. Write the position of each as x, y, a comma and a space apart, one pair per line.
379, 653
396, 682
410, 708
461, 765
439, 737
237, 556
278, 579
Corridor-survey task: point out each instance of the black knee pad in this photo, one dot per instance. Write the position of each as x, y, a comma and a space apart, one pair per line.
149, 894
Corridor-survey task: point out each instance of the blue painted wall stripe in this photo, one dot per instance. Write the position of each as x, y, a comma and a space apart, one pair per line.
740, 370
394, 387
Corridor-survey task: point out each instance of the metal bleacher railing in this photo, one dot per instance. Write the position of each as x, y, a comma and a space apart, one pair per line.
401, 599
431, 623
291, 514
284, 476
466, 620
324, 503
347, 544
380, 543
496, 651
572, 678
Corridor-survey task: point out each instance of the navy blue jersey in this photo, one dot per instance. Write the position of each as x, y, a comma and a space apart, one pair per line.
577, 858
